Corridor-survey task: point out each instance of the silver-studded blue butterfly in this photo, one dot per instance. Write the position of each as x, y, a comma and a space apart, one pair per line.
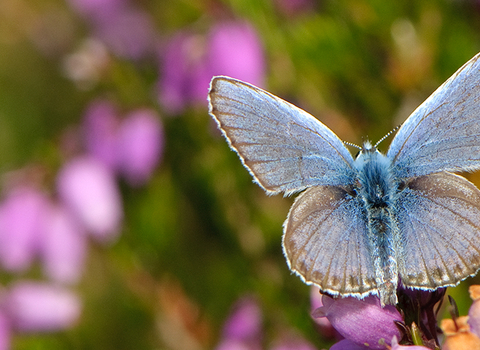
364, 225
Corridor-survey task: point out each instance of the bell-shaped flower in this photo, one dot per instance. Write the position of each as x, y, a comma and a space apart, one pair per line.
363, 322
35, 307
100, 127
244, 60
22, 215
89, 190
63, 246
243, 328
139, 146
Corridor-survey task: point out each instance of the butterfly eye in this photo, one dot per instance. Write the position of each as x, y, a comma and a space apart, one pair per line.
401, 186
352, 190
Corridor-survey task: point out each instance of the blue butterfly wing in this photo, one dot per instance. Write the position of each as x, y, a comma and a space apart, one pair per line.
325, 242
284, 148
443, 133
438, 218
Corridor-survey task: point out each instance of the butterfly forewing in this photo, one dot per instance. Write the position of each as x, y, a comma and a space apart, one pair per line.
325, 242
439, 225
442, 134
285, 148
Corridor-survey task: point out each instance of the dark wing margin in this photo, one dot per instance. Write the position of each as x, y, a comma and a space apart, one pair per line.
284, 148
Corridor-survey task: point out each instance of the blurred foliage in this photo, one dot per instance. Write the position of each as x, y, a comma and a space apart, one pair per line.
201, 234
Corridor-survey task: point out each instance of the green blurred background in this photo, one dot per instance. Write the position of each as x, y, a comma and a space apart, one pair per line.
200, 234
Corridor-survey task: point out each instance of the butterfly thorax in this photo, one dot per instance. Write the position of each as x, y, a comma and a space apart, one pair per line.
375, 185
374, 176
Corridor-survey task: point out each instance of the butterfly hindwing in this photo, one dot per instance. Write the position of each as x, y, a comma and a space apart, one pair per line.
325, 241
443, 133
439, 224
285, 148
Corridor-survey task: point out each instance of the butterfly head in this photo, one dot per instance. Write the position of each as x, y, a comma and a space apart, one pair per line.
369, 154
368, 147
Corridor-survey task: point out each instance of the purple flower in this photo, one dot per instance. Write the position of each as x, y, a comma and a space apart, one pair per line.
243, 328
100, 132
139, 146
363, 322
190, 60
88, 188
97, 9
245, 320
5, 332
346, 344
63, 246
127, 31
128, 34
33, 306
182, 65
419, 306
21, 223
234, 49
323, 324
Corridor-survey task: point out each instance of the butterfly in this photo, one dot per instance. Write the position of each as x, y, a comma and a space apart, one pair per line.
368, 224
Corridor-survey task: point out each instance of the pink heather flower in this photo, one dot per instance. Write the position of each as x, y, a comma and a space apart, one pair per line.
361, 321
323, 324
139, 146
235, 50
126, 30
245, 320
346, 344
21, 223
233, 344
243, 328
128, 33
5, 332
190, 60
182, 63
33, 307
89, 189
100, 132
97, 9
63, 246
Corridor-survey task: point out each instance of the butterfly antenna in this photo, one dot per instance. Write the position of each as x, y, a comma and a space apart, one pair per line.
387, 135
352, 144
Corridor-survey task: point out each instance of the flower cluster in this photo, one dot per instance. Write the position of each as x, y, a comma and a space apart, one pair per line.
54, 229
243, 331
190, 60
364, 324
48, 223
126, 30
